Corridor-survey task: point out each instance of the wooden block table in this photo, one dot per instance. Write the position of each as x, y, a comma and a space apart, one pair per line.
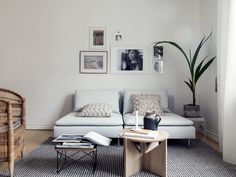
145, 154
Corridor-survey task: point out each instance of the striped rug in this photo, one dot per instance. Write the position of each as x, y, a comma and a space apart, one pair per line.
199, 161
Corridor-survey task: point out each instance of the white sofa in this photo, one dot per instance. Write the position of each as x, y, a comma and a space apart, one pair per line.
177, 126
107, 126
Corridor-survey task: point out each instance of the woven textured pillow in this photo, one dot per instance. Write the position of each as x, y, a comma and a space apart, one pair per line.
147, 103
96, 110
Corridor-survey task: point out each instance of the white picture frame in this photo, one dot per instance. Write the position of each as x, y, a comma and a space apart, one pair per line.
157, 66
122, 64
93, 62
97, 38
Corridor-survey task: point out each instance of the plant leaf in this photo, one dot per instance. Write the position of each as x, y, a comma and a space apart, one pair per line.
204, 68
195, 56
178, 47
197, 71
189, 85
190, 56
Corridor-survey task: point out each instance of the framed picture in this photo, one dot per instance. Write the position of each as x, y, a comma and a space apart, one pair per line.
93, 62
129, 60
158, 52
97, 37
118, 36
157, 67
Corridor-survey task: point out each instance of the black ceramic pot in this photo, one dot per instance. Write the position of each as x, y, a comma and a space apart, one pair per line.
151, 122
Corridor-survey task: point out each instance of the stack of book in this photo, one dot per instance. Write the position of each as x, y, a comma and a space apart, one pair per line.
141, 133
75, 145
81, 141
72, 141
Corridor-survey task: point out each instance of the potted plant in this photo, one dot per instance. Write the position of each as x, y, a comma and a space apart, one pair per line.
193, 110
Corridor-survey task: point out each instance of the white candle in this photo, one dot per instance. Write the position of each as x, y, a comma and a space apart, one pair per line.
136, 119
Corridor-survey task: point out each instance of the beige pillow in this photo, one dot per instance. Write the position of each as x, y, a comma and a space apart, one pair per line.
96, 110
147, 103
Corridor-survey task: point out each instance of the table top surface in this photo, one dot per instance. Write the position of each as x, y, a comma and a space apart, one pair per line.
161, 136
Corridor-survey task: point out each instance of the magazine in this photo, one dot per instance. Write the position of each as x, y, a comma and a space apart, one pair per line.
91, 136
72, 138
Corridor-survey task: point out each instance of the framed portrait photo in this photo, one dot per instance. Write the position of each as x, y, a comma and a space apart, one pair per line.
129, 60
93, 62
97, 38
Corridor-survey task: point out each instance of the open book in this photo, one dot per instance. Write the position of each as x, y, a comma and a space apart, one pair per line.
91, 136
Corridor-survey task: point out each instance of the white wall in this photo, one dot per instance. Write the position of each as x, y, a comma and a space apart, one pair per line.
207, 97
40, 42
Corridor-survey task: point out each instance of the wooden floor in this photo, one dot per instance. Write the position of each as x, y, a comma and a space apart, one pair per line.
34, 138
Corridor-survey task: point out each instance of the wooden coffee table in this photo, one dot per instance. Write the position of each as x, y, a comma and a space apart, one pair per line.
145, 154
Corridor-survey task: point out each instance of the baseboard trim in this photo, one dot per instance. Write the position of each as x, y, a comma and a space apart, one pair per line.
39, 127
211, 135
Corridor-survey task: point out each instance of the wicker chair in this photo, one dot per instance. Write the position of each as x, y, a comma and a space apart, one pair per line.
12, 126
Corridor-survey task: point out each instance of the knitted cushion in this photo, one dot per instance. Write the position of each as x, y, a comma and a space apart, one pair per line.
147, 103
96, 110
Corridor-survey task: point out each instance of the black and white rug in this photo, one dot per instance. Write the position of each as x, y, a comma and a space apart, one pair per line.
199, 161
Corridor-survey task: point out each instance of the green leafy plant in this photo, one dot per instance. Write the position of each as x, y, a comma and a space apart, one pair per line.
195, 71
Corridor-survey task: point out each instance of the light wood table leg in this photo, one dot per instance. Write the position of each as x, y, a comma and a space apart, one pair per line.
155, 161
132, 158
152, 158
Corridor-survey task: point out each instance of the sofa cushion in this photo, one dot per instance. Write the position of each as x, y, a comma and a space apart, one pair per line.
84, 97
167, 119
147, 103
72, 119
96, 110
128, 103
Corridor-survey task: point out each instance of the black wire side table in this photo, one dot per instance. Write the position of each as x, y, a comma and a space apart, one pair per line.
68, 156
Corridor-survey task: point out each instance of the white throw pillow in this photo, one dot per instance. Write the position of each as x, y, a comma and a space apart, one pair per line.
147, 103
128, 102
109, 96
96, 110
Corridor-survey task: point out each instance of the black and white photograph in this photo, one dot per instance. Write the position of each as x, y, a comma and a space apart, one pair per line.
97, 37
118, 36
92, 62
157, 67
158, 52
131, 59
128, 60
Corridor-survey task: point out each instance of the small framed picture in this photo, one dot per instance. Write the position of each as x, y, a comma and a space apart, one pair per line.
158, 52
118, 36
157, 67
93, 62
129, 60
97, 37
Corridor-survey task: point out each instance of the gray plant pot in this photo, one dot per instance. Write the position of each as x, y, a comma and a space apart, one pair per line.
191, 110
